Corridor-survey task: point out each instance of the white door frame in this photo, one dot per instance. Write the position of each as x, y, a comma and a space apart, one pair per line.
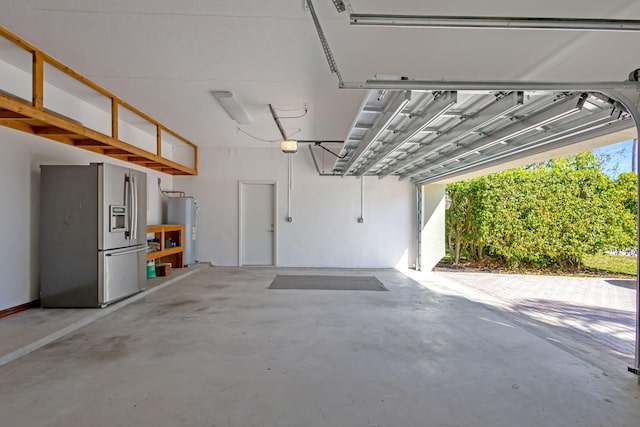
241, 185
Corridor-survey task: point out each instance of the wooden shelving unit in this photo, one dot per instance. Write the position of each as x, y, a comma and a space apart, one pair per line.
32, 117
173, 254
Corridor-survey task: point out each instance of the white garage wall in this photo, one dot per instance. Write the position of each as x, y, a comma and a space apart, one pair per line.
324, 231
22, 154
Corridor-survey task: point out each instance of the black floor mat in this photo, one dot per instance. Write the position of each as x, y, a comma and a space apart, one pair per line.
329, 283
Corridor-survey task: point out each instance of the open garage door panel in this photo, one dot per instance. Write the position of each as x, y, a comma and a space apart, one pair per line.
429, 136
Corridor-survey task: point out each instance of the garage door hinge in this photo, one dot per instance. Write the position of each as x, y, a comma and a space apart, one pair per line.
634, 371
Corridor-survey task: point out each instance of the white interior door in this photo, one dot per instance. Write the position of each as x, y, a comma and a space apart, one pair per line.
257, 223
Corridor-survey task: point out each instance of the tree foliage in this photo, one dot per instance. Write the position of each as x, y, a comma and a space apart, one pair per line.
554, 212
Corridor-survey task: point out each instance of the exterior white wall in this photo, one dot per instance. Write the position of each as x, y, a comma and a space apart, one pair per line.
324, 231
433, 230
22, 155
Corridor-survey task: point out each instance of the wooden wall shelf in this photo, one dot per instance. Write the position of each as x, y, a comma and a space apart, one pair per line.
173, 254
34, 118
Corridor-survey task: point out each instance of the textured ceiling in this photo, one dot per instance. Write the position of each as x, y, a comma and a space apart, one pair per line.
165, 56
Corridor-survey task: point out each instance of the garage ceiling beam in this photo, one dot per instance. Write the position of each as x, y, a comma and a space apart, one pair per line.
491, 22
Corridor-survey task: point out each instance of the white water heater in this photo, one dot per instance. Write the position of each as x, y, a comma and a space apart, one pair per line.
184, 210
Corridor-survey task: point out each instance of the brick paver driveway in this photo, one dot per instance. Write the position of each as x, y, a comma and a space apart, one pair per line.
597, 311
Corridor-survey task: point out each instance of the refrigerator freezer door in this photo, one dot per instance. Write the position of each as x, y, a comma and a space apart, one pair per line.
69, 230
122, 272
113, 195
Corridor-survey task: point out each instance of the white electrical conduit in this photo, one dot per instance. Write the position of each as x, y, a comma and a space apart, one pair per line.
361, 219
290, 179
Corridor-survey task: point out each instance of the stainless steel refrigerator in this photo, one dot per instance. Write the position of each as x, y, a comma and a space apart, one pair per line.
93, 244
184, 210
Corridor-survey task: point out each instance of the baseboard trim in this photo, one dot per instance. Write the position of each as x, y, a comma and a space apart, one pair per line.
18, 308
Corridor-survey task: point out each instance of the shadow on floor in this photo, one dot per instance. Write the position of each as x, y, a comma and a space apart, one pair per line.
613, 329
622, 283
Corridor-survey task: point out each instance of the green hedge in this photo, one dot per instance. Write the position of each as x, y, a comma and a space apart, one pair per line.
554, 212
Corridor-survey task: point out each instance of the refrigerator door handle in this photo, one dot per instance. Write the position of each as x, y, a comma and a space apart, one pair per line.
134, 208
128, 252
127, 202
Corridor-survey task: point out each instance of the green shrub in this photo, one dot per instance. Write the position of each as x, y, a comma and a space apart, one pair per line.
554, 212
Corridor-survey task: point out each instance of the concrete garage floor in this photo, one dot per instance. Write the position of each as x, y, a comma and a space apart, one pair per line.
30, 330
220, 349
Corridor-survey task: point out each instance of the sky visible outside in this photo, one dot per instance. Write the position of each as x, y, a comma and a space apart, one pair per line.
615, 158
